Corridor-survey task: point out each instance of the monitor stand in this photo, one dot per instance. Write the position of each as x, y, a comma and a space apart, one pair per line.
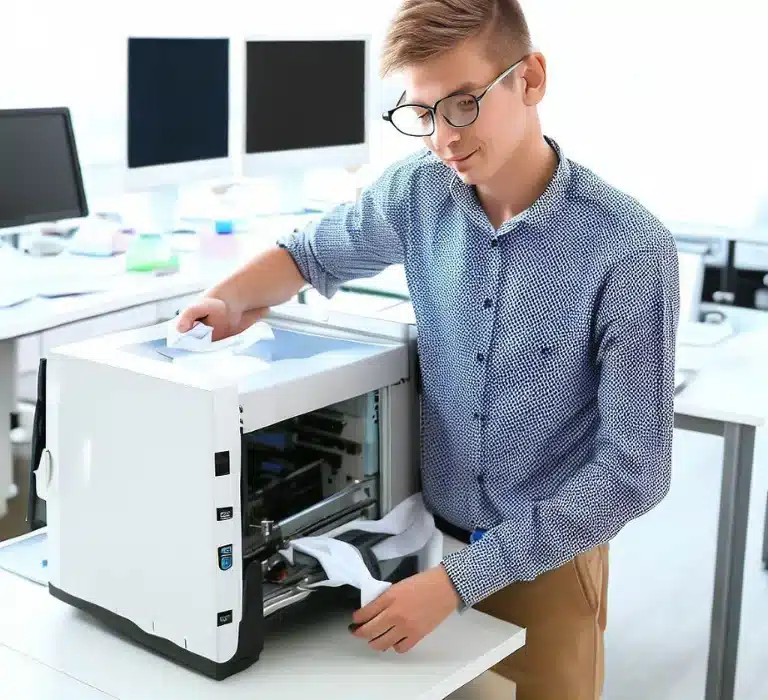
292, 195
284, 194
162, 210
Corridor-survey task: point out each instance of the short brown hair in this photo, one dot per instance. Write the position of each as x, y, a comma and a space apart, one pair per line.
423, 29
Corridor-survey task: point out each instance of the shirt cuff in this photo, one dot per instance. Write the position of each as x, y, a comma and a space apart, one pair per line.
478, 570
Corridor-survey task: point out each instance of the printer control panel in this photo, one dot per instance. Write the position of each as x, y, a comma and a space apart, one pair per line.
225, 557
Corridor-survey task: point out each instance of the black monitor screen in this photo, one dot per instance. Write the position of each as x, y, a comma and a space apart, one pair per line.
304, 94
40, 178
178, 100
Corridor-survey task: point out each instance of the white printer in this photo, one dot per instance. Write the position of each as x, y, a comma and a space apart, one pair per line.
171, 481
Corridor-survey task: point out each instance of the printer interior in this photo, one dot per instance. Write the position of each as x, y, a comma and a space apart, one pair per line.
298, 464
306, 476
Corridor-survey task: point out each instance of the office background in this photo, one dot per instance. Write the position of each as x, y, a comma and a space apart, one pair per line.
665, 98
662, 97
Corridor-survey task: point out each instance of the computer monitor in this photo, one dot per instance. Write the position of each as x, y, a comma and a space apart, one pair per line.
691, 268
40, 176
306, 105
178, 110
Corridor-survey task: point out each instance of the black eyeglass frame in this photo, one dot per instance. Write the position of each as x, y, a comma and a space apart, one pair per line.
387, 116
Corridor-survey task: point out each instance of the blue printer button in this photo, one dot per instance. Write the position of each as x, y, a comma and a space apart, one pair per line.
225, 563
225, 550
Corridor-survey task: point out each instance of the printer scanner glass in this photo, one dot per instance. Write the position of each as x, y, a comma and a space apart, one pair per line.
290, 355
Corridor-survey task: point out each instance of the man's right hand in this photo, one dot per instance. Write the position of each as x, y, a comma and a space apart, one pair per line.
217, 314
245, 297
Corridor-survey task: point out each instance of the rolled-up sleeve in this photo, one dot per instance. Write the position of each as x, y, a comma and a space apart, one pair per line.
629, 470
356, 240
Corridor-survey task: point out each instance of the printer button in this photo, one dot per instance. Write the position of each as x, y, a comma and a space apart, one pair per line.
224, 618
224, 513
225, 557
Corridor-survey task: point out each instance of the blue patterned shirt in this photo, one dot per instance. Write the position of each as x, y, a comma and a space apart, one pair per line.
547, 353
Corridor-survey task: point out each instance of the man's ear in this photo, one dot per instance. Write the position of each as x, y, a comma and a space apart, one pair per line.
535, 79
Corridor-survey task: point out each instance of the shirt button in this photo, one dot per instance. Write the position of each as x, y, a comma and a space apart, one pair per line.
480, 479
476, 416
494, 242
480, 357
488, 304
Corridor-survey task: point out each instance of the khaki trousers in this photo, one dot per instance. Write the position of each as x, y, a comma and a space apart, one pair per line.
564, 613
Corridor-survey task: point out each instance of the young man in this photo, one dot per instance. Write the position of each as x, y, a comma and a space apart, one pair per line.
546, 304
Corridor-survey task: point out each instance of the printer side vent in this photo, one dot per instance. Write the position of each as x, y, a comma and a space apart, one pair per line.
221, 463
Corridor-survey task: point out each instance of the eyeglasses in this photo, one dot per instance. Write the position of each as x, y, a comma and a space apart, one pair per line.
459, 109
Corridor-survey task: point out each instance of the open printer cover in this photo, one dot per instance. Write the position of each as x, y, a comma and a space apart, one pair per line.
173, 479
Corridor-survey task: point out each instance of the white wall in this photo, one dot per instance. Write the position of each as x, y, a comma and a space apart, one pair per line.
665, 98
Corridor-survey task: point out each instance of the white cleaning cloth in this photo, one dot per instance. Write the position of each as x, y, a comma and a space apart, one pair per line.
199, 338
413, 533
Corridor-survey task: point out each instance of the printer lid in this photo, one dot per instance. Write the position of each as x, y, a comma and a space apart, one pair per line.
313, 358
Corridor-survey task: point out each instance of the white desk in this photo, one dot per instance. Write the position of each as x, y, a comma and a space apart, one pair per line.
23, 677
55, 651
727, 396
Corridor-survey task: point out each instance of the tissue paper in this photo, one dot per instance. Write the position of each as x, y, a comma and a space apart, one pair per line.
413, 532
199, 338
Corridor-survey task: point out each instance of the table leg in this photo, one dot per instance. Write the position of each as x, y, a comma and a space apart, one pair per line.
7, 405
765, 537
729, 563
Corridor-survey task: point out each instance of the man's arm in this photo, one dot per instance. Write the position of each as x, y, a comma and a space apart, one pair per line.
353, 240
630, 469
356, 240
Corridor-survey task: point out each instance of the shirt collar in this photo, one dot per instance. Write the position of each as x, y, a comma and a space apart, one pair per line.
538, 215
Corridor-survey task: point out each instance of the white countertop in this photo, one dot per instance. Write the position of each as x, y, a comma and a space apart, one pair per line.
730, 380
23, 677
54, 649
117, 288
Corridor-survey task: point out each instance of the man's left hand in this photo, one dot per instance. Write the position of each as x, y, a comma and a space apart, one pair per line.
407, 612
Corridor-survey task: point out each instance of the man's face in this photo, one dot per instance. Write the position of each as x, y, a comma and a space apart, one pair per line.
476, 152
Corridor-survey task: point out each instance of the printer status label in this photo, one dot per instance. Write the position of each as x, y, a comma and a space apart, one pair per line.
225, 513
225, 557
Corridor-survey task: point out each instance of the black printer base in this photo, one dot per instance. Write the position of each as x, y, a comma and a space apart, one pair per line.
249, 646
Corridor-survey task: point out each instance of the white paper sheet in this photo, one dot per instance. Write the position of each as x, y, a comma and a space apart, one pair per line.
199, 338
413, 532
